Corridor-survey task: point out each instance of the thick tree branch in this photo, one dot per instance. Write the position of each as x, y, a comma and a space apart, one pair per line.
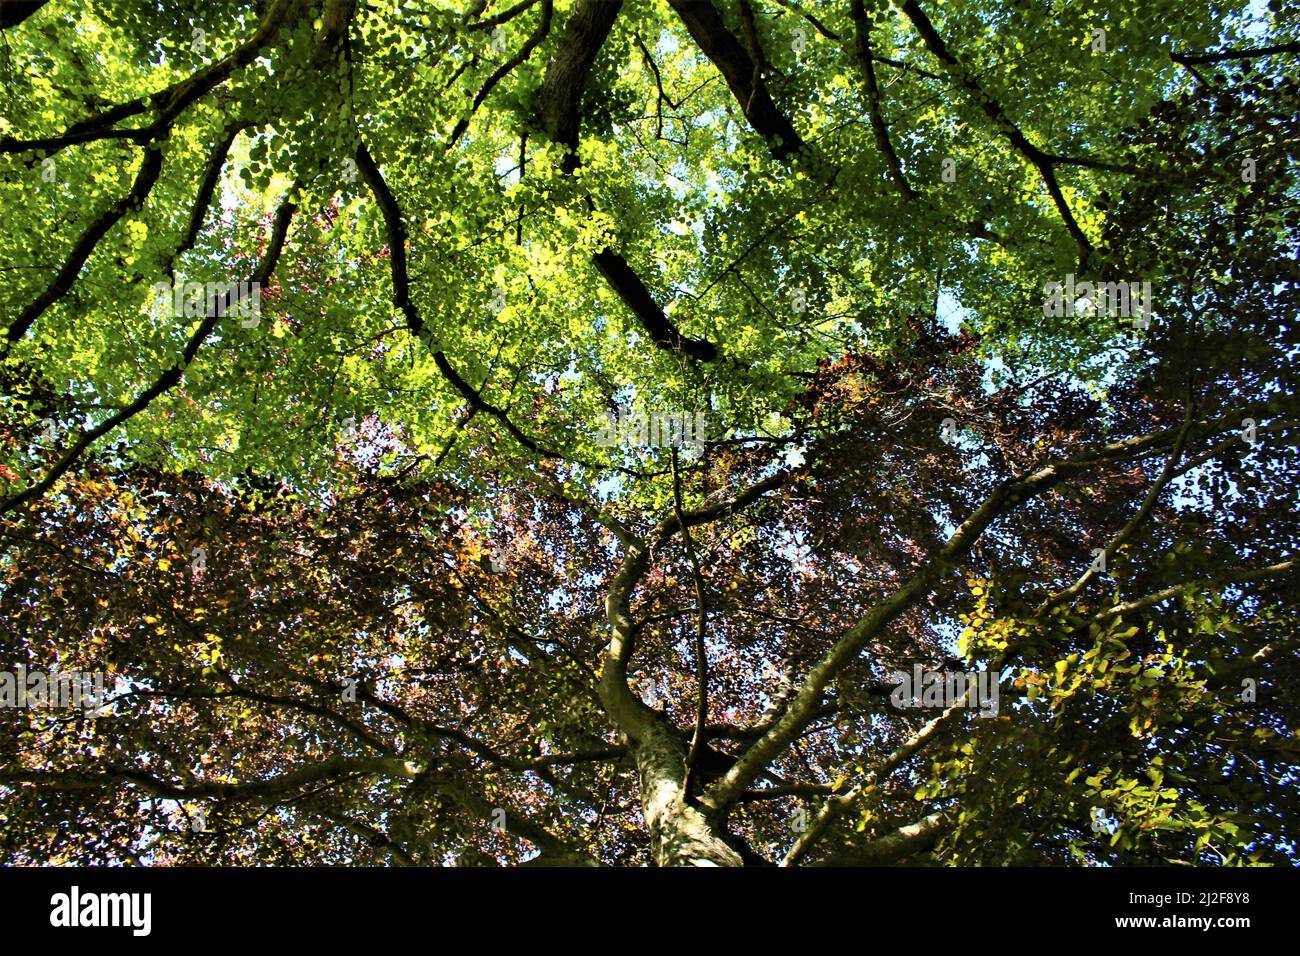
505, 16
554, 851
560, 98
701, 631
897, 845
838, 803
146, 178
1190, 58
559, 112
624, 281
629, 714
14, 12
742, 74
374, 837
203, 198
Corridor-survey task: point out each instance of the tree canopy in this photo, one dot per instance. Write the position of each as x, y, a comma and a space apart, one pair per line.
474, 432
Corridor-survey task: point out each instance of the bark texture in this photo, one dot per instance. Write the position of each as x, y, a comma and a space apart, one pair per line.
680, 835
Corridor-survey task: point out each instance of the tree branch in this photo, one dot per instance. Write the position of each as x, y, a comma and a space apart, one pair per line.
896, 845
168, 379
150, 167
629, 714
504, 70
170, 102
1040, 160
248, 790
14, 12
559, 110
396, 227
701, 630
742, 75
803, 704
862, 46
1188, 59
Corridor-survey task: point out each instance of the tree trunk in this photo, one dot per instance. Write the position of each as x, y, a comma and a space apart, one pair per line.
680, 834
